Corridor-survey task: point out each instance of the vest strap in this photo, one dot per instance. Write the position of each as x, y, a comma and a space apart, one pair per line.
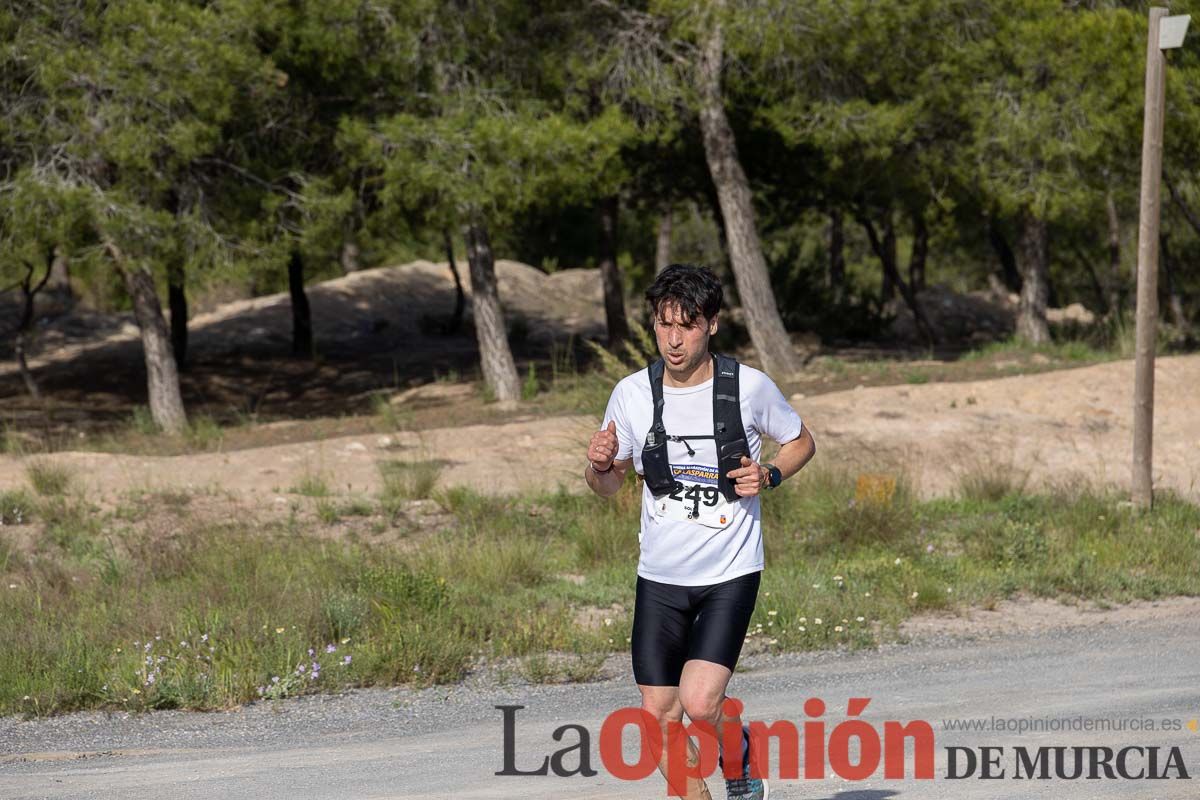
728, 431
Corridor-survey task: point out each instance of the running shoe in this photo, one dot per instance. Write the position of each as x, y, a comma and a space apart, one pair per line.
745, 787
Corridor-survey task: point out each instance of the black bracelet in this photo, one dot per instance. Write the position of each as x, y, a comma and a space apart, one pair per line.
602, 471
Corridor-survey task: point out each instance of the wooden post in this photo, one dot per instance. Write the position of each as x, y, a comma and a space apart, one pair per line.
1147, 267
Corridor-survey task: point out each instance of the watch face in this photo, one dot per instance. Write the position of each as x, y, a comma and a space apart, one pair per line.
776, 476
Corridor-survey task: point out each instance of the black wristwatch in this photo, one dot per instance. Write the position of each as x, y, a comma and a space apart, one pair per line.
774, 476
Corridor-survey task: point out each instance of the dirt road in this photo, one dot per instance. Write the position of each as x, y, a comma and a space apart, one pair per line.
448, 741
1057, 426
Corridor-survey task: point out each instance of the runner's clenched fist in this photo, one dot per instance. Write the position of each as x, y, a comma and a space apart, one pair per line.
603, 447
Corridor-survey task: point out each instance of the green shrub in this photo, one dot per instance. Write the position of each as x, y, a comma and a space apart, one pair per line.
47, 478
404, 481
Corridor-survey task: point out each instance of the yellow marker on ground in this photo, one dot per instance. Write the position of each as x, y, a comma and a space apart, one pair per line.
876, 489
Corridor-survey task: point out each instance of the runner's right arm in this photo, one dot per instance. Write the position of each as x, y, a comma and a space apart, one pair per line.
605, 473
606, 484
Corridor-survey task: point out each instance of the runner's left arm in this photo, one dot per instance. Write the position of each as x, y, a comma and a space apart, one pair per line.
776, 418
795, 454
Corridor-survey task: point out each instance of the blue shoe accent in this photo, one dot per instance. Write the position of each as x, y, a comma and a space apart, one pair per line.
745, 787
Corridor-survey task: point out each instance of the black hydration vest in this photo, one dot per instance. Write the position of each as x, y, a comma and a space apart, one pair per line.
728, 431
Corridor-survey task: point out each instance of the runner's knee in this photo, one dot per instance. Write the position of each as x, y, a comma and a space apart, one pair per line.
700, 704
663, 709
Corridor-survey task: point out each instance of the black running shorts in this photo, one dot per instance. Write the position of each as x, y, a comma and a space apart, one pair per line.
675, 624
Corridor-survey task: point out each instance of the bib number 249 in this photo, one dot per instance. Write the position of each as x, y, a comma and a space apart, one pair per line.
693, 495
697, 504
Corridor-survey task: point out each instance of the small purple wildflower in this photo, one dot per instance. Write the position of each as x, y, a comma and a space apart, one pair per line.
330, 648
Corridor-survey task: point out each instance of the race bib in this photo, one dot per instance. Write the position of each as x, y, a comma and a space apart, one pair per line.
695, 499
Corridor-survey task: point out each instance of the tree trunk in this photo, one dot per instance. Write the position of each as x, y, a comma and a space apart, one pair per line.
891, 271
1174, 301
1008, 261
162, 377
177, 302
885, 250
28, 293
23, 366
495, 357
1114, 256
1031, 312
460, 297
610, 273
919, 255
1099, 288
662, 246
836, 279
348, 259
718, 218
765, 325
302, 334
60, 274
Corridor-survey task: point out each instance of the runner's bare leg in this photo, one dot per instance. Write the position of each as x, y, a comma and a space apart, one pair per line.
664, 705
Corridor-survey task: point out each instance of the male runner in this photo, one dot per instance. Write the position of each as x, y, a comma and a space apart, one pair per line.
701, 554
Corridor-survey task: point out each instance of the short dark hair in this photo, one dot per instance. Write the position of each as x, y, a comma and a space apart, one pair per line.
696, 290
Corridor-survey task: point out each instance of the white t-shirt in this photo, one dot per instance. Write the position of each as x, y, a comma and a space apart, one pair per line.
696, 537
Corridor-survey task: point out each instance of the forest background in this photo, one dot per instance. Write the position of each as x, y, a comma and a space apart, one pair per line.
828, 158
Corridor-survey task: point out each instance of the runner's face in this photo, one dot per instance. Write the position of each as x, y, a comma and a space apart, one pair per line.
683, 345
